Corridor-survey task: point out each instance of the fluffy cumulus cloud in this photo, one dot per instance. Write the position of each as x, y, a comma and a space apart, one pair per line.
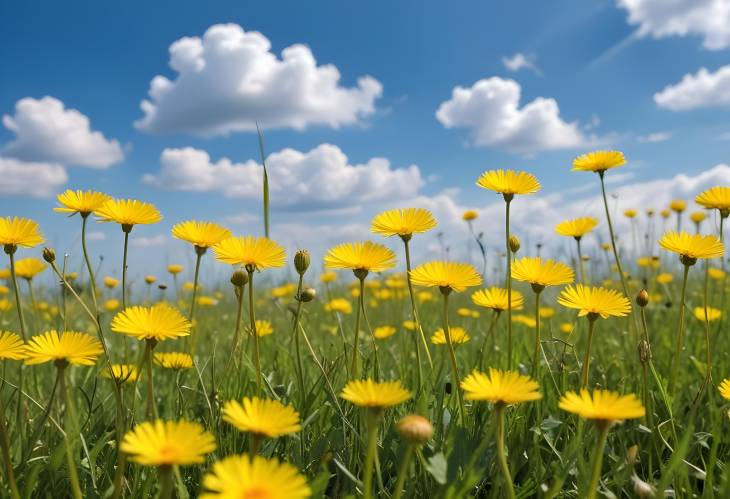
490, 110
35, 179
229, 79
702, 89
709, 19
319, 178
46, 131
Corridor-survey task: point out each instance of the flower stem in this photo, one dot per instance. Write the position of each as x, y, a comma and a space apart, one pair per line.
587, 358
87, 260
5, 444
71, 430
373, 417
252, 316
536, 354
501, 456
151, 407
19, 419
509, 285
166, 485
680, 334
239, 290
414, 313
581, 265
597, 460
490, 332
354, 369
191, 315
403, 471
297, 316
452, 357
124, 269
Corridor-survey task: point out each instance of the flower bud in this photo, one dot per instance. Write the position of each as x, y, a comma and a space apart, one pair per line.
642, 299
301, 261
415, 429
239, 278
514, 243
49, 255
307, 294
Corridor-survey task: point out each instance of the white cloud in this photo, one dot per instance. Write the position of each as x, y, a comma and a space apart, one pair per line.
34, 179
47, 131
654, 137
709, 19
521, 61
320, 178
491, 110
96, 236
149, 241
229, 79
703, 89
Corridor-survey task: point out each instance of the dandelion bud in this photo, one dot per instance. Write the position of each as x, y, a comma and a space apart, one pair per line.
631, 455
642, 299
301, 261
514, 243
644, 351
415, 429
307, 294
49, 255
239, 278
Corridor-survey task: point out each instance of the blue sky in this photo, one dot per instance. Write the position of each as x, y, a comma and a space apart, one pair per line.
603, 67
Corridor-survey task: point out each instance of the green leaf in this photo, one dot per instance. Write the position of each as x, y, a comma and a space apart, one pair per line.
438, 467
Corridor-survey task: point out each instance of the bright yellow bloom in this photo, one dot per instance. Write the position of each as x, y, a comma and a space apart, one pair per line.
168, 443
716, 274
110, 282
5, 273
692, 245
698, 216
409, 325
28, 268
649, 262
725, 389
284, 291
603, 405
264, 328
245, 477
599, 161
500, 387
547, 312
458, 336
128, 212
200, 234
329, 276
158, 322
714, 198
252, 252
470, 215
374, 394
265, 417
664, 278
713, 314
594, 301
665, 213
111, 305
446, 275
496, 299
424, 297
174, 268
121, 373
541, 272
206, 301
678, 205
403, 222
630, 213
360, 256
82, 202
509, 182
150, 279
11, 346
70, 347
383, 332
5, 305
467, 312
525, 320
566, 327
23, 232
174, 360
339, 305
577, 227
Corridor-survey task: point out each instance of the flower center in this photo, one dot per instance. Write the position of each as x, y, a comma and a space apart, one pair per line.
256, 493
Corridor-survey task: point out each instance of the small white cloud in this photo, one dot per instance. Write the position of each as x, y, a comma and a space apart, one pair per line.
654, 137
34, 179
521, 61
46, 131
703, 89
490, 110
229, 79
96, 236
149, 241
709, 19
724, 136
318, 179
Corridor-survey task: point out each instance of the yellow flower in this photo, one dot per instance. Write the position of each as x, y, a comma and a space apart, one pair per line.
70, 347
121, 373
174, 269
252, 252
158, 322
594, 301
168, 443
200, 234
374, 394
566, 327
28, 268
649, 261
692, 246
665, 213
547, 312
150, 279
467, 312
128, 213
5, 305
458, 336
664, 278
110, 282
81, 202
541, 272
725, 389
698, 216
174, 360
599, 161
383, 332
284, 291
254, 477
470, 215
327, 277
496, 299
16, 232
403, 222
577, 227
265, 417
678, 205
713, 314
111, 305
716, 274
509, 182
206, 301
603, 405
11, 346
449, 276
409, 325
263, 328
339, 305
361, 256
5, 273
715, 198
424, 297
500, 387
630, 213
525, 320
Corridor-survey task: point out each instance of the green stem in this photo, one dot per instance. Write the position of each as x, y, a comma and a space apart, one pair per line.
252, 316
624, 286
501, 455
124, 268
587, 358
581, 265
71, 430
19, 419
239, 290
490, 332
295, 332
403, 471
452, 358
415, 318
354, 369
92, 278
680, 334
191, 314
5, 444
597, 460
509, 285
151, 406
166, 482
373, 417
536, 354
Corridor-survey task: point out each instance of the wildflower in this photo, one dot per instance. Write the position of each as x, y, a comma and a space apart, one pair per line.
174, 360
121, 373
677, 205
255, 253
446, 275
328, 277
16, 232
664, 278
698, 217
599, 161
541, 273
725, 389
67, 348
174, 269
716, 274
595, 301
11, 346
691, 247
264, 328
362, 257
603, 405
566, 327
158, 322
254, 477
495, 298
467, 312
128, 213
168, 443
111, 305
713, 314
150, 279
28, 268
470, 215
82, 202
110, 282
509, 182
339, 305
384, 332
415, 429
576, 228
262, 417
374, 394
505, 387
546, 312
458, 335
403, 222
202, 235
717, 198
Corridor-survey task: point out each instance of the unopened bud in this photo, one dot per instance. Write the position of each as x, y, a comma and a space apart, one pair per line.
301, 261
49, 255
514, 243
415, 429
239, 278
307, 294
642, 299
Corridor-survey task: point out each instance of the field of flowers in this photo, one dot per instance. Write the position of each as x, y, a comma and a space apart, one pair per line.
380, 376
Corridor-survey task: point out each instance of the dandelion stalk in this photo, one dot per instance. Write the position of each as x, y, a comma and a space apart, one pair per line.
5, 445
10, 250
603, 427
166, 482
508, 198
295, 332
199, 252
501, 455
87, 260
490, 332
624, 286
126, 229
373, 417
536, 355
239, 281
414, 312
354, 368
680, 330
403, 471
151, 406
581, 265
445, 291
587, 359
71, 429
252, 316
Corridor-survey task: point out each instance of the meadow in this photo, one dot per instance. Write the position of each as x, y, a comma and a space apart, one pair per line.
373, 374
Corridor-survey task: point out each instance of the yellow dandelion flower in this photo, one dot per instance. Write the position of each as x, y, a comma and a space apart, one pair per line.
150, 279
5, 305
566, 327
602, 405
424, 297
495, 298
70, 347
546, 312
698, 216
374, 394
716, 274
173, 360
577, 227
500, 387
664, 278
206, 301
594, 302
403, 222
541, 272
110, 282
470, 215
599, 161
168, 443
665, 213
458, 336
121, 373
111, 305
409, 325
630, 213
11, 346
448, 276
525, 320
5, 273
692, 246
725, 389
649, 262
467, 312
361, 256
81, 202
252, 252
383, 332
339, 305
263, 328
174, 269
285, 291
328, 276
509, 182
28, 268
200, 234
158, 322
254, 477
128, 213
715, 198
678, 205
713, 314
265, 417
16, 232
